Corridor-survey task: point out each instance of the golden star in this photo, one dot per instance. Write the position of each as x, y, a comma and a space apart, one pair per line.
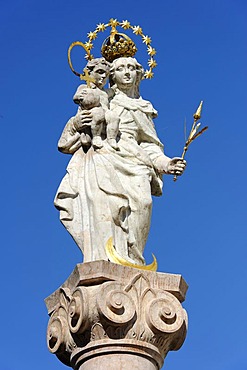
92, 35
152, 63
146, 40
89, 56
148, 74
89, 45
113, 23
151, 51
137, 30
125, 24
101, 27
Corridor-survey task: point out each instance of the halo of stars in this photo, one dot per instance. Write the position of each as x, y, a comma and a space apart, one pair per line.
137, 30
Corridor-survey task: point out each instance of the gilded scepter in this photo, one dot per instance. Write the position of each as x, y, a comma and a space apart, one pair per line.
194, 133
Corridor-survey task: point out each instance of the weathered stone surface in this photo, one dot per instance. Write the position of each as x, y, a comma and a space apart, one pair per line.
106, 193
119, 317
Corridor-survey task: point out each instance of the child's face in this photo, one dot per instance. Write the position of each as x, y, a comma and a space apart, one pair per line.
100, 74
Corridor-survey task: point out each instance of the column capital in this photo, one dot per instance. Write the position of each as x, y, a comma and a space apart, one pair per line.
109, 315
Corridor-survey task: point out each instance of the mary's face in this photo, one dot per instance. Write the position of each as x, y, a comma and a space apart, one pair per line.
125, 72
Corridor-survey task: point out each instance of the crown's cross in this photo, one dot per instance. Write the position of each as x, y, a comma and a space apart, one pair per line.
86, 77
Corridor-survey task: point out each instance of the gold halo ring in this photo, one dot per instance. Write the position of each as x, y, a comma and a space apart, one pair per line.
77, 43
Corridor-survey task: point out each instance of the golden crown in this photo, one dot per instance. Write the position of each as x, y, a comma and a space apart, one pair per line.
116, 45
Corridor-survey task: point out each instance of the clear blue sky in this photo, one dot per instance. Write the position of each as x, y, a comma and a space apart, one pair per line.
198, 226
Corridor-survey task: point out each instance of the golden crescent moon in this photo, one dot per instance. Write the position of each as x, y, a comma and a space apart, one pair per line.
116, 258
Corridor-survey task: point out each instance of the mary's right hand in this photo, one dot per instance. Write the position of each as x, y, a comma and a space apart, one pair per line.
82, 120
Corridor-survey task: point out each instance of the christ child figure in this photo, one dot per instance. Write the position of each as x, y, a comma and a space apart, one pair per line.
89, 100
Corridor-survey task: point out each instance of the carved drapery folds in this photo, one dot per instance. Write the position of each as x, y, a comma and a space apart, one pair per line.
118, 309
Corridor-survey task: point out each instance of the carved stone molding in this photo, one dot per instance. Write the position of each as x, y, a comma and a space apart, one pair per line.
108, 315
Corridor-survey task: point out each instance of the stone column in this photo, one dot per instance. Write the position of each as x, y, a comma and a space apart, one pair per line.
108, 316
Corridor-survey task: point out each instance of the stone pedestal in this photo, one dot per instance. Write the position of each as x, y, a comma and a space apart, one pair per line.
108, 316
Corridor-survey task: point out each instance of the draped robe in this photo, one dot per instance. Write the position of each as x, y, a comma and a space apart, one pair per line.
107, 193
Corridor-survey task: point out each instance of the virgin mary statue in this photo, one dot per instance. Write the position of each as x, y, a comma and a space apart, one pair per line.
107, 193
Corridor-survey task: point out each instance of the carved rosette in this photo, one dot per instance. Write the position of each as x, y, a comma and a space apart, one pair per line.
113, 312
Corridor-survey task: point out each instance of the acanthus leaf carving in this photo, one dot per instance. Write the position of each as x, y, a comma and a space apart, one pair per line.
97, 332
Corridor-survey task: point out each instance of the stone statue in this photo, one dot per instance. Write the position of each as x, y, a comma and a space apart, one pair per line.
114, 315
107, 193
117, 163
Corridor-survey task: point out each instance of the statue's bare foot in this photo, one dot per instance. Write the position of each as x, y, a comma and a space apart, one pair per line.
97, 142
113, 143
